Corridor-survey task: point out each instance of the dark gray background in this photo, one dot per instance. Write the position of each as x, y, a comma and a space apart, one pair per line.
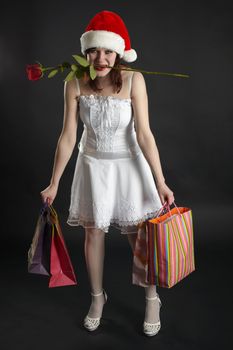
191, 119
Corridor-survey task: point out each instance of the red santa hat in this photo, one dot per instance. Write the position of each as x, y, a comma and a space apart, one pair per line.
107, 29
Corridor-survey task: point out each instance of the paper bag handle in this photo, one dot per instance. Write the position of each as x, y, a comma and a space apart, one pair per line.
162, 208
168, 207
45, 205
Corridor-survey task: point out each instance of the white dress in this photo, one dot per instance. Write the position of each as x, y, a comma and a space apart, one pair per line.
113, 183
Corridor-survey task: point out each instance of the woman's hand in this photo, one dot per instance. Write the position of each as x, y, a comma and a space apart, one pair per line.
165, 194
49, 193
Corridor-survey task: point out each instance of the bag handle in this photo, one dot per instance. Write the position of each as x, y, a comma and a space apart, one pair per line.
168, 208
46, 205
166, 205
53, 211
162, 209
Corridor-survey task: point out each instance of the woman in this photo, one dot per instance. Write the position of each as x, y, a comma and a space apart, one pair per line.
113, 182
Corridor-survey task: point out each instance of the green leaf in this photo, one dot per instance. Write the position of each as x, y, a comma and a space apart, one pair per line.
74, 67
92, 72
81, 60
52, 73
70, 76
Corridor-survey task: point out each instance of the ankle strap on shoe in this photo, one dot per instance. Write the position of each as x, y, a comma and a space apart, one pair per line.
153, 298
96, 295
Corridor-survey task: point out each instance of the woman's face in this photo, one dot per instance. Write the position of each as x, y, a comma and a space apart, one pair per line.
100, 58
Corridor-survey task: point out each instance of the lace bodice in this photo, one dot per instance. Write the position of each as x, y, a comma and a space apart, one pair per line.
108, 127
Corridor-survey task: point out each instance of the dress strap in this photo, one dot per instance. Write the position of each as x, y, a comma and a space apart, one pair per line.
78, 86
130, 82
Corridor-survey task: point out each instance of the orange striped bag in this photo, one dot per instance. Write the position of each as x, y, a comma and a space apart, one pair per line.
164, 250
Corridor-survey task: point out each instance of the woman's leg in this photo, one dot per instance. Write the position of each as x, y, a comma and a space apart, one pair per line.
152, 306
94, 248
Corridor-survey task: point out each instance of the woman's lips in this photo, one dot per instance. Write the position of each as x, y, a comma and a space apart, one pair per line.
100, 68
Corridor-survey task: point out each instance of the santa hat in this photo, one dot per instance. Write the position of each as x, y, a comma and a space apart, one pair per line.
107, 29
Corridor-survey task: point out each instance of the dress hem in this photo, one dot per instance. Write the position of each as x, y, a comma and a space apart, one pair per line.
123, 226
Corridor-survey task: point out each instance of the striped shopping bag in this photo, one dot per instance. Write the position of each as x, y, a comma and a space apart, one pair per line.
170, 247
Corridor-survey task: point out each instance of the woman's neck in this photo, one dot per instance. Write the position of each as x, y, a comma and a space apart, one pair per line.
103, 82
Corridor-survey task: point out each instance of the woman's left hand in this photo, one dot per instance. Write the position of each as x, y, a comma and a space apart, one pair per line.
165, 194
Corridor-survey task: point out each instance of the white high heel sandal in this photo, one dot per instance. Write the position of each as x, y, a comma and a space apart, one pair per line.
151, 329
91, 323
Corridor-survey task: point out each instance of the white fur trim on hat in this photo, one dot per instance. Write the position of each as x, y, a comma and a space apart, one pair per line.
102, 38
130, 55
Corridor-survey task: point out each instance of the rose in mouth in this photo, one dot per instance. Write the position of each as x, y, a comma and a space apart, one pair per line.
98, 66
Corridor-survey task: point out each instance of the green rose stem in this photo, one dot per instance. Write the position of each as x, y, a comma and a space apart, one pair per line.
126, 69
148, 72
84, 67
48, 68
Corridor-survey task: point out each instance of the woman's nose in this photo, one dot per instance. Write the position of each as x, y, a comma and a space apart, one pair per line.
100, 55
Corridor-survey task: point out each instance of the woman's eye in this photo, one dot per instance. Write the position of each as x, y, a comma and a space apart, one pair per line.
108, 51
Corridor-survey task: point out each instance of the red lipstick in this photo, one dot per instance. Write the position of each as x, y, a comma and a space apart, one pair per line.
100, 68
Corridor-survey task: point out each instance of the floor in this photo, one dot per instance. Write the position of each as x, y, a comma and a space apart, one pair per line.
194, 313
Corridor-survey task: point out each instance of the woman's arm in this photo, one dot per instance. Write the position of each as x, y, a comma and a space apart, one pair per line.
67, 139
145, 136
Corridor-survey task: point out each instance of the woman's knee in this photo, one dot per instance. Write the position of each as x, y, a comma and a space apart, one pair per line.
94, 233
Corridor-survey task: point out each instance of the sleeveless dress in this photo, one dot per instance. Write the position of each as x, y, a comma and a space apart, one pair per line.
112, 184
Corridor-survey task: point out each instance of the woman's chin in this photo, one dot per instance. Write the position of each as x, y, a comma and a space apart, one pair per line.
102, 73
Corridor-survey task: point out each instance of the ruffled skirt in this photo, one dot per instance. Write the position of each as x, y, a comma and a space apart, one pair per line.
112, 192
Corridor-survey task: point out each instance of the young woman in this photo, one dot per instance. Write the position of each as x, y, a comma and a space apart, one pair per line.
113, 181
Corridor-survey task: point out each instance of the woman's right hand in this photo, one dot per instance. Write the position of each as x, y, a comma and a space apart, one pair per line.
49, 193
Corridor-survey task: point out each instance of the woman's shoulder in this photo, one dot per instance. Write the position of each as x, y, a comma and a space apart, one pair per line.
72, 88
131, 74
138, 84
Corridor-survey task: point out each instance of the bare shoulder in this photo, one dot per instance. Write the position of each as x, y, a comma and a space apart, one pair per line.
138, 85
71, 89
137, 77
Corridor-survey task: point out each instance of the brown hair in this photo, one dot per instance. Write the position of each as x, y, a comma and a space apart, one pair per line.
115, 75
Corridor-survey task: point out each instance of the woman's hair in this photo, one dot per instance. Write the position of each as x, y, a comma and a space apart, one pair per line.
115, 75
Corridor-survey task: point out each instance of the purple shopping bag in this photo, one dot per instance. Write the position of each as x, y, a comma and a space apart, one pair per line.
39, 251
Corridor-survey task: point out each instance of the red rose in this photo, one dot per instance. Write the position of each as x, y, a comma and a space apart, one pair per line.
34, 71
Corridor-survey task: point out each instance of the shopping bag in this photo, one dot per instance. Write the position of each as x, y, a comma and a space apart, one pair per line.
48, 254
140, 254
140, 257
39, 251
167, 245
61, 269
170, 247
